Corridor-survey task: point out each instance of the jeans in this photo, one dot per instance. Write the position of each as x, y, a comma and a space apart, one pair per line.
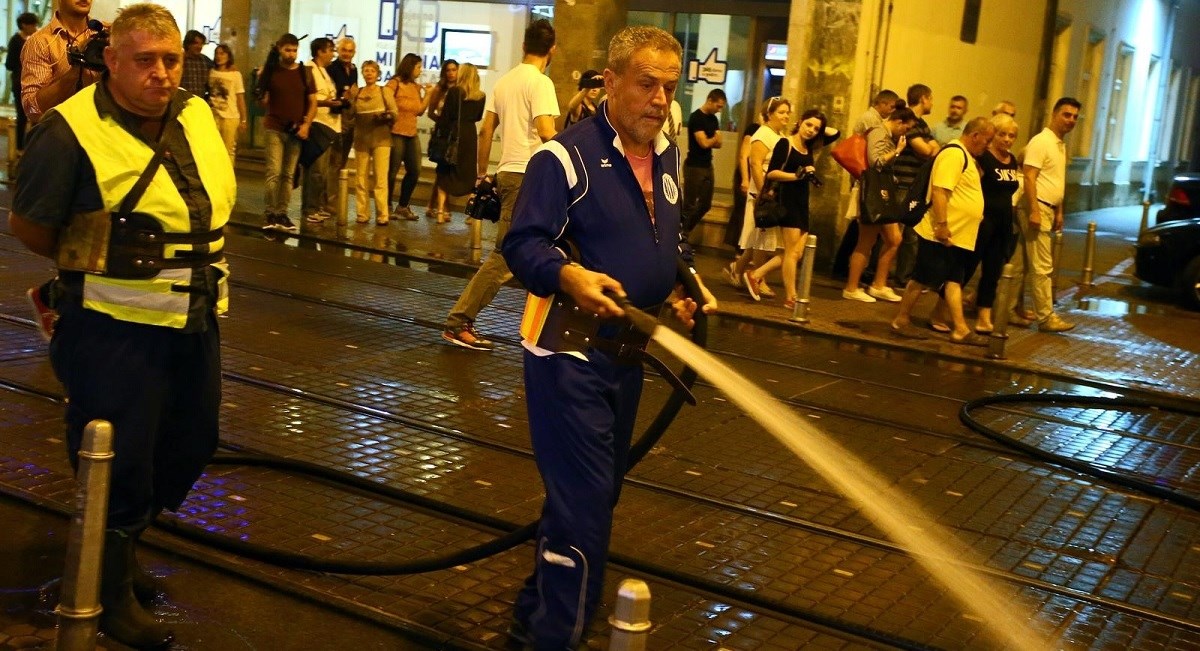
282, 155
407, 150
1034, 258
494, 271
312, 199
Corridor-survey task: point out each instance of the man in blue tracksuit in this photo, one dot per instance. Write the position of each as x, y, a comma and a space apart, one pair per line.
607, 191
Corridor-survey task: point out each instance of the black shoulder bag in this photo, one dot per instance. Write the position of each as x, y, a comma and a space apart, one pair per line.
768, 208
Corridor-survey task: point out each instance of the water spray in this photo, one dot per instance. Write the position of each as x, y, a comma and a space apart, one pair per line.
930, 544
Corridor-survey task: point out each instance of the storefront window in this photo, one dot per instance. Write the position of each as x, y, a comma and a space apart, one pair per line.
716, 54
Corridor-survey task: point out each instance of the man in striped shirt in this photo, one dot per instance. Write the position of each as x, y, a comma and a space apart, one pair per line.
47, 80
47, 76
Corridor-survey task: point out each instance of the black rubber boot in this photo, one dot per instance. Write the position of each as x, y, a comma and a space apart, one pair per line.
146, 586
123, 618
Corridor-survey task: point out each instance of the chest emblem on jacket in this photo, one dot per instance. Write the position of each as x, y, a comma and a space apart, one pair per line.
670, 190
604, 163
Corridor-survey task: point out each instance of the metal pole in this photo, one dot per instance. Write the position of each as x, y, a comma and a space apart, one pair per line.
804, 290
1056, 258
343, 204
1089, 256
1000, 315
630, 620
79, 608
476, 235
1145, 217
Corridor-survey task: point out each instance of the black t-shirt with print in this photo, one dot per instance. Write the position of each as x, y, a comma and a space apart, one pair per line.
999, 181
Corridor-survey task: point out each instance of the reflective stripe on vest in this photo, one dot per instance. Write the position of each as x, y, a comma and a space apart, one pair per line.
118, 159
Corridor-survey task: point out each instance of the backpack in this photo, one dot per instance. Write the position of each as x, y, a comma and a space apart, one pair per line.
917, 197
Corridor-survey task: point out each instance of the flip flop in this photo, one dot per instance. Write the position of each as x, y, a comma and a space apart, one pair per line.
939, 327
971, 339
908, 332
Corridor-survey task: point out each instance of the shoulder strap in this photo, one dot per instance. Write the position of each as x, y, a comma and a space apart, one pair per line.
966, 156
143, 182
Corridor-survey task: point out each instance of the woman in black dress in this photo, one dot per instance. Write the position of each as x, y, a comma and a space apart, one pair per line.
793, 168
463, 107
1000, 177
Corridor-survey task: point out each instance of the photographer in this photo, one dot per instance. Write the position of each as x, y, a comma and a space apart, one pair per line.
792, 167
58, 61
583, 103
53, 64
288, 92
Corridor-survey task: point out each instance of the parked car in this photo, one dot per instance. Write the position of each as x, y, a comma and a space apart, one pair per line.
1183, 199
1168, 255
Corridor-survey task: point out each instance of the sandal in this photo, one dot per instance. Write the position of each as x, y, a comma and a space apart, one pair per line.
908, 331
971, 339
939, 327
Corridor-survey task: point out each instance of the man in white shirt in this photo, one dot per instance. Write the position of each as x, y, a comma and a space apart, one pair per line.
523, 105
315, 198
1041, 213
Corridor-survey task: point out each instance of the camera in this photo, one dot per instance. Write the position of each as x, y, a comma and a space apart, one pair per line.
91, 55
593, 82
811, 177
484, 202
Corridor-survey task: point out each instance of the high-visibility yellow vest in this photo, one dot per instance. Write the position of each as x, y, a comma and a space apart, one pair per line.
119, 159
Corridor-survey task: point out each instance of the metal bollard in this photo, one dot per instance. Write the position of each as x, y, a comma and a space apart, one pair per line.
476, 236
1145, 217
343, 204
999, 335
630, 620
804, 288
1056, 258
79, 607
1089, 256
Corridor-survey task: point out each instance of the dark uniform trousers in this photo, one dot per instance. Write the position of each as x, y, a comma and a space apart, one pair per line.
581, 417
161, 390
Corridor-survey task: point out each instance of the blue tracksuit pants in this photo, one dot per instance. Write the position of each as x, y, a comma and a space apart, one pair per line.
581, 417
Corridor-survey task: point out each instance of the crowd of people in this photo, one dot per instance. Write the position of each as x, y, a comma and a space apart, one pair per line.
987, 206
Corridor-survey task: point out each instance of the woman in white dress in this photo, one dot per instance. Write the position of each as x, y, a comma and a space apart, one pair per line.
759, 244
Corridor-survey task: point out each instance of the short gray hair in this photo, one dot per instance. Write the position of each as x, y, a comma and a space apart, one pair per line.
147, 17
976, 125
637, 37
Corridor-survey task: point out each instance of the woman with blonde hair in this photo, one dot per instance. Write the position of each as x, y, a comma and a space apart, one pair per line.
373, 110
758, 244
461, 110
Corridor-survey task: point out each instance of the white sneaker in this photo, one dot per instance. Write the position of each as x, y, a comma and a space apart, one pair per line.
857, 295
885, 294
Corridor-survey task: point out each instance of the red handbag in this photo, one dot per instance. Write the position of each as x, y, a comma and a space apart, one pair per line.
851, 153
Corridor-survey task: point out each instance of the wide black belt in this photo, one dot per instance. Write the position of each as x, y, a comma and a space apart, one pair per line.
571, 329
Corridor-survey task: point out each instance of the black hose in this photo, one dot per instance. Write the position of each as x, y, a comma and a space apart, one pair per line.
515, 534
1118, 478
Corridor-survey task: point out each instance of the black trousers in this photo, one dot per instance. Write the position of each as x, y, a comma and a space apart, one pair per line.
697, 195
160, 389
